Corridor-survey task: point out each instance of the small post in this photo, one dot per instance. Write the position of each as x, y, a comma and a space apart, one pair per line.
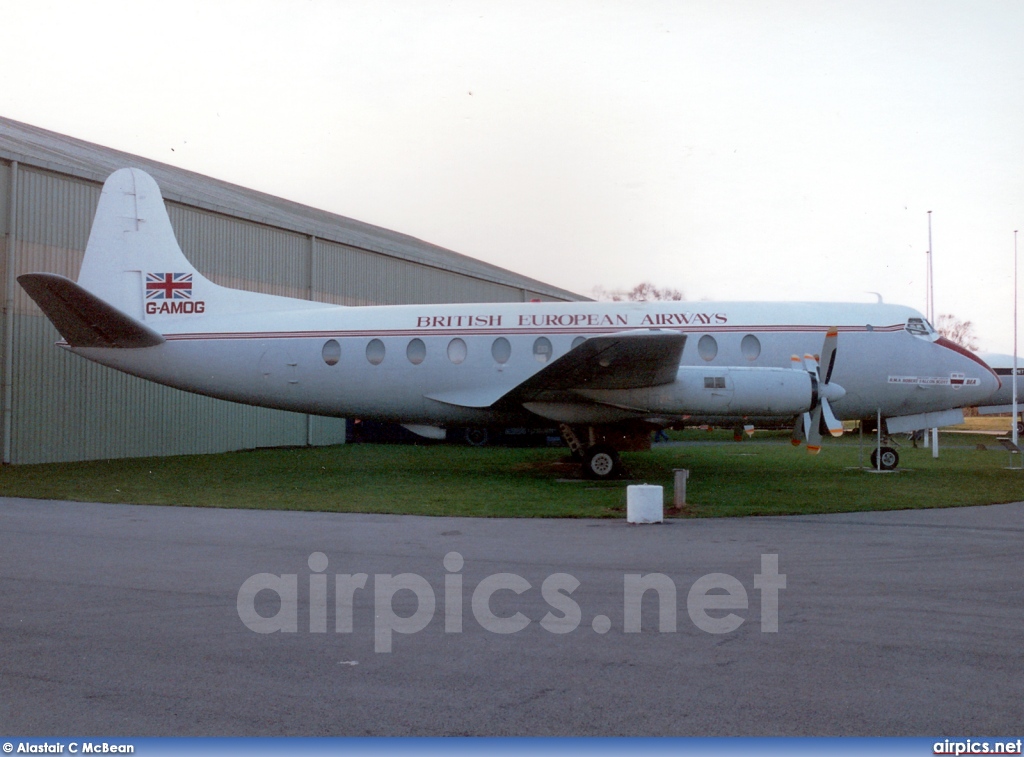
878, 452
679, 488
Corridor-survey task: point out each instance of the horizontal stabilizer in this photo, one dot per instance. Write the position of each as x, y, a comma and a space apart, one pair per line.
82, 318
999, 409
906, 423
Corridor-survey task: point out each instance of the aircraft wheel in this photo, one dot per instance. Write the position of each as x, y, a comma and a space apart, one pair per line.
890, 459
601, 462
1020, 428
477, 437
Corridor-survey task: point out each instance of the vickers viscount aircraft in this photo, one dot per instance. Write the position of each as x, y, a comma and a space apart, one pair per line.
1002, 400
608, 373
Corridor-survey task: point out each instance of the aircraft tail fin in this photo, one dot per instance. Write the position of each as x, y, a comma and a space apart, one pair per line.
133, 261
132, 238
82, 318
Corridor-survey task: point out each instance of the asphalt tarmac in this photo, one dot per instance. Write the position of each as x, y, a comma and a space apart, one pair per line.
126, 620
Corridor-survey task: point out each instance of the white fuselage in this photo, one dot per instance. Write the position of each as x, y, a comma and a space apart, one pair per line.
446, 364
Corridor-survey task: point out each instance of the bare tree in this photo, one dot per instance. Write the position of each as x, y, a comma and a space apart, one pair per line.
955, 330
646, 291
602, 294
643, 292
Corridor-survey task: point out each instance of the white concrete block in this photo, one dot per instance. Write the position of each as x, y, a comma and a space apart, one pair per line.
644, 504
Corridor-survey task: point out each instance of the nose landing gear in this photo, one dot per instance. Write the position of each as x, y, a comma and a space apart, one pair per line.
885, 458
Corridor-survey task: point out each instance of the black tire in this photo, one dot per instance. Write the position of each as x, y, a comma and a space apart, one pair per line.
1020, 428
477, 437
601, 462
890, 458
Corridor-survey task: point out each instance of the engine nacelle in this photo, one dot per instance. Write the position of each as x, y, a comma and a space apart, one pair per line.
700, 390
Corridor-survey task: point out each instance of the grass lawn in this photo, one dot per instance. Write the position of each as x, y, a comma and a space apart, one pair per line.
763, 476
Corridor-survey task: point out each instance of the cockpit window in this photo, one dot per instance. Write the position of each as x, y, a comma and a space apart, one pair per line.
919, 327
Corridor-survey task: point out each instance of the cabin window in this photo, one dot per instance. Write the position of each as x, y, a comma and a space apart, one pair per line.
375, 352
331, 352
578, 341
501, 350
707, 347
542, 349
457, 351
750, 347
416, 351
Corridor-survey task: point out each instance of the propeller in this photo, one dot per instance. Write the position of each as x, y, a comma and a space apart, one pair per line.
819, 418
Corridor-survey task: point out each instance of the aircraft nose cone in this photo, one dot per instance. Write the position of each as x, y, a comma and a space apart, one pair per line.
971, 366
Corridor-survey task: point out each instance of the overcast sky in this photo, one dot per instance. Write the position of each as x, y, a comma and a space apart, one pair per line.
734, 150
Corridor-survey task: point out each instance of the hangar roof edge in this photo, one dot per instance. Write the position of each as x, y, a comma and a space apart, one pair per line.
41, 148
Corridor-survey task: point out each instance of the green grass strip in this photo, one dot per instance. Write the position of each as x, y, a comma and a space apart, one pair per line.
764, 476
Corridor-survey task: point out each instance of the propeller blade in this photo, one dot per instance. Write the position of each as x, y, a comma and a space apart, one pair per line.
813, 430
798, 430
819, 419
828, 355
833, 424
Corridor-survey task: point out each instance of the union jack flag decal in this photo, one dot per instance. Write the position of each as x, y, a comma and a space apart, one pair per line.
168, 286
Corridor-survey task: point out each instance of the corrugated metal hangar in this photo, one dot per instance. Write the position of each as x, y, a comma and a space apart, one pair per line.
59, 407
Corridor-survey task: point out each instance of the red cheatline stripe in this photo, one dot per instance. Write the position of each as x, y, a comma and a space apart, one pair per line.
951, 345
507, 332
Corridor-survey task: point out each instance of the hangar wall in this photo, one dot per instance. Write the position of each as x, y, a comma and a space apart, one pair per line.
59, 407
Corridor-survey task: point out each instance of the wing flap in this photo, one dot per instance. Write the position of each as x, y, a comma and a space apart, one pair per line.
478, 397
82, 318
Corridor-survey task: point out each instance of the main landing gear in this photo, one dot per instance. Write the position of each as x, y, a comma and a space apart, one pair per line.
597, 449
601, 462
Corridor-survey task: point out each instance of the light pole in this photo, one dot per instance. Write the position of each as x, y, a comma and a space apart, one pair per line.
930, 313
1013, 420
929, 307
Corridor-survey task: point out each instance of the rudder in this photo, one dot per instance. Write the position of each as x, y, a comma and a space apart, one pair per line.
131, 236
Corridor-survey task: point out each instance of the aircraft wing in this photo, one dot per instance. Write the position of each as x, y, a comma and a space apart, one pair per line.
82, 318
630, 360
